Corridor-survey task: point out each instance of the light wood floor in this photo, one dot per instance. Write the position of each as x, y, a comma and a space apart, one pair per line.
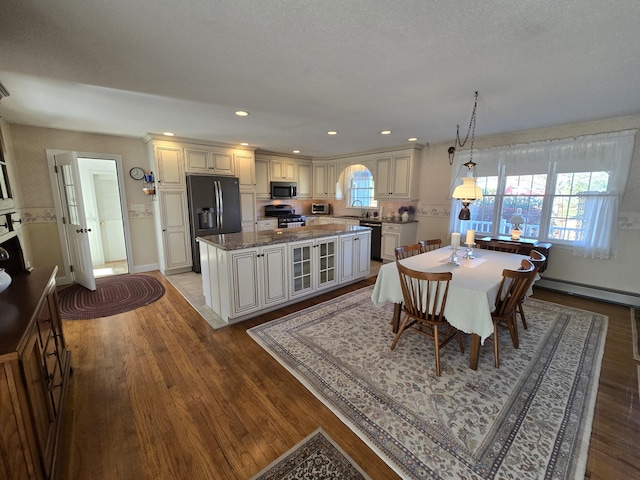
158, 394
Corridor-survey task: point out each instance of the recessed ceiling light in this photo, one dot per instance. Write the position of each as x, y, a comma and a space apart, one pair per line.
168, 134
413, 139
385, 132
242, 113
332, 133
296, 151
244, 144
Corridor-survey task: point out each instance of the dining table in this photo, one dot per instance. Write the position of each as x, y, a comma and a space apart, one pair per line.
472, 290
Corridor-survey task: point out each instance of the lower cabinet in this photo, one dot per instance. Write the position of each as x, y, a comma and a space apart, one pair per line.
355, 255
396, 235
313, 265
33, 378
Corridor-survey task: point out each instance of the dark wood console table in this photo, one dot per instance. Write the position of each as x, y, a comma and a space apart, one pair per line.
35, 366
525, 246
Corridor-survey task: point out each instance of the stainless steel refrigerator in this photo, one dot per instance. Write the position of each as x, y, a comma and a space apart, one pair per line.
214, 208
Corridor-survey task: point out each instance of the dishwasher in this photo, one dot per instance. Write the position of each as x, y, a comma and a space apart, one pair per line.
376, 237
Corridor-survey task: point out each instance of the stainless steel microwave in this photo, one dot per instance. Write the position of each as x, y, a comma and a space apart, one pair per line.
284, 190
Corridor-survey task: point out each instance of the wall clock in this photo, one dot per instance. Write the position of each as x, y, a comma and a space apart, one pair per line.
136, 173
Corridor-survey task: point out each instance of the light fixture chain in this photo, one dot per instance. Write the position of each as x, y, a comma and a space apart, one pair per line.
472, 126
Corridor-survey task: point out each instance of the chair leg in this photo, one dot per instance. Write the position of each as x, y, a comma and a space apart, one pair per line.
513, 331
521, 312
437, 348
496, 347
401, 329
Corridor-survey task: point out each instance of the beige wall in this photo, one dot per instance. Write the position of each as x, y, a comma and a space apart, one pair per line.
621, 273
42, 244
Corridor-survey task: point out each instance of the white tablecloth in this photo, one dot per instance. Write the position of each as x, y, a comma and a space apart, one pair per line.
472, 291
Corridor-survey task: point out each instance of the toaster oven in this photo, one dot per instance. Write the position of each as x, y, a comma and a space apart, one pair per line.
320, 208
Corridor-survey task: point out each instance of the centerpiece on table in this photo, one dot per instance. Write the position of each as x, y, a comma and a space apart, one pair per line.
406, 212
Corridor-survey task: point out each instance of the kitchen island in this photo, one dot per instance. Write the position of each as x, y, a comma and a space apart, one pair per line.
248, 273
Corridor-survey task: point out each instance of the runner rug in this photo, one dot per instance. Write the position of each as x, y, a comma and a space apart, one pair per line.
317, 456
531, 418
113, 295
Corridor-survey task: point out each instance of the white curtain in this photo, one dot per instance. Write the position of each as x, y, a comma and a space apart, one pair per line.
608, 152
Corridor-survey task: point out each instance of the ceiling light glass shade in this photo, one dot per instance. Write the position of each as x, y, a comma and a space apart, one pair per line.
468, 191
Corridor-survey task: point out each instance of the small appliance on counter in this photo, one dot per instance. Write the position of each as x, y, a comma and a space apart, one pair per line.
320, 209
286, 214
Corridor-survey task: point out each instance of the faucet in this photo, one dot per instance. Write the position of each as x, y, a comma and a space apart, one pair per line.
361, 206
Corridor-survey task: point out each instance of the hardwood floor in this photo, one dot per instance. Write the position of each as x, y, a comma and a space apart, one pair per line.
157, 394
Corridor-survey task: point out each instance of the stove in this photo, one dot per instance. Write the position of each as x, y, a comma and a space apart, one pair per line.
286, 214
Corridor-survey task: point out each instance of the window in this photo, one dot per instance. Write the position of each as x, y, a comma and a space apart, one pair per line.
358, 183
567, 190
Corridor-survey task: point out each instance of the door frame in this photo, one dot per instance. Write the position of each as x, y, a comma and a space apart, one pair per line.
66, 269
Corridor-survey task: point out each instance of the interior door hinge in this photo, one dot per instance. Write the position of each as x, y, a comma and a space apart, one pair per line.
64, 220
55, 168
71, 268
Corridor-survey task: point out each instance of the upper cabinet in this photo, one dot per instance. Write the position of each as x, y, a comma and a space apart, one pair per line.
208, 160
245, 171
398, 176
262, 178
304, 180
285, 170
169, 166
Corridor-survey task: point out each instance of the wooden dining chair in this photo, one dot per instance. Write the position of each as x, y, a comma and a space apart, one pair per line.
407, 251
428, 245
498, 246
538, 260
511, 290
425, 297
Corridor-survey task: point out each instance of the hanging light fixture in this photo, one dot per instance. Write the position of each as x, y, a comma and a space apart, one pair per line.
469, 191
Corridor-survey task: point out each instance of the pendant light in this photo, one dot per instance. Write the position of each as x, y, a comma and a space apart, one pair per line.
469, 191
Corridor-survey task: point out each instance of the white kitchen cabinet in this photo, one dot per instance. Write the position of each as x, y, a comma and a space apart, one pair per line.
262, 178
169, 166
329, 220
397, 177
355, 255
395, 235
320, 189
313, 265
174, 234
304, 180
202, 159
248, 210
284, 170
267, 224
245, 170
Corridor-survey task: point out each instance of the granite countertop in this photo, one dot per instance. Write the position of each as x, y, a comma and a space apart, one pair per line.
372, 219
240, 240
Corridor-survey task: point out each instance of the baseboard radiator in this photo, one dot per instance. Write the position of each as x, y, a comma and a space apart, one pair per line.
597, 293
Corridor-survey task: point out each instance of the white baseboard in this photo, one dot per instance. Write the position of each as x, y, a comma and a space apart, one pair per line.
598, 293
146, 268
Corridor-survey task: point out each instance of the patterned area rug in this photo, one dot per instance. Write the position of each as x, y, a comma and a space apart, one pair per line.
531, 418
317, 456
113, 295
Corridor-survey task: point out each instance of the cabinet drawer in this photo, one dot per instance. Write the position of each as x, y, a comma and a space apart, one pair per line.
386, 228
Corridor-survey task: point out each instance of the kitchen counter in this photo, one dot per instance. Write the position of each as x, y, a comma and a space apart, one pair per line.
240, 240
373, 219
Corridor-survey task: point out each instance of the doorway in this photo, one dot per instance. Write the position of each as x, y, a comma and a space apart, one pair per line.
89, 194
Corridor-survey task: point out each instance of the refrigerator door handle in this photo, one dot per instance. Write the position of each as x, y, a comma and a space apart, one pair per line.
215, 202
220, 205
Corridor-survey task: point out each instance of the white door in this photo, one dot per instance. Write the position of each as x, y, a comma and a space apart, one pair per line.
110, 217
76, 223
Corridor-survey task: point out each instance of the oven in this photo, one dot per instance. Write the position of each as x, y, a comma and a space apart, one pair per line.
286, 215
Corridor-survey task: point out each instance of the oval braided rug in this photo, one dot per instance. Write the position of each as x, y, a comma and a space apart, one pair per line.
112, 295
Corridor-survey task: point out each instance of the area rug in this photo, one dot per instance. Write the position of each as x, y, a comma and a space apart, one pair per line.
635, 326
531, 418
113, 295
315, 457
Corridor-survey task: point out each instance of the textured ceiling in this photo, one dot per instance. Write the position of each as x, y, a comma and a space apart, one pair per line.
303, 67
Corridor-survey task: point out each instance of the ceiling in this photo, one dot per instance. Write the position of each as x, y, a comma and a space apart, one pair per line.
302, 68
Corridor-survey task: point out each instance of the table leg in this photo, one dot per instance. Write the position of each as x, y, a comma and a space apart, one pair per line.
475, 351
397, 313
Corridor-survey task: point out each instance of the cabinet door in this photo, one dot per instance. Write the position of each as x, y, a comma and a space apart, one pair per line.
283, 170
248, 207
170, 167
326, 251
175, 229
320, 181
347, 258
384, 173
245, 171
304, 181
390, 240
221, 163
273, 262
401, 176
197, 160
40, 407
332, 179
301, 268
262, 179
245, 281
363, 254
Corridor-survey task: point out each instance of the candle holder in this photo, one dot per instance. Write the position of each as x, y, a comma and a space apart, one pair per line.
453, 259
469, 251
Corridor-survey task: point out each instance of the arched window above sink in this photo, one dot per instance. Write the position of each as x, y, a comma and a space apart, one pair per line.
356, 186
